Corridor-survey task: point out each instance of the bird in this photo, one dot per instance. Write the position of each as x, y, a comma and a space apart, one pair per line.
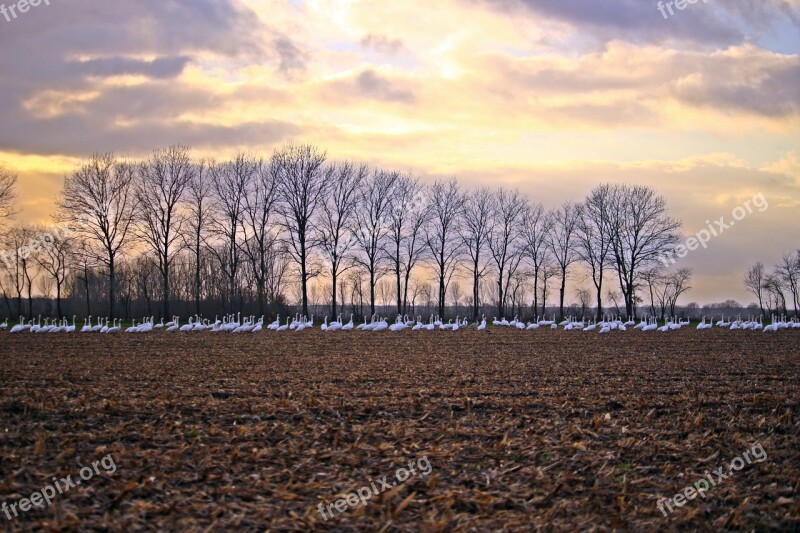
285, 326
349, 325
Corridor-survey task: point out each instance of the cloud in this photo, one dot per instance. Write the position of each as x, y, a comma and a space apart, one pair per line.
381, 43
718, 23
292, 60
161, 68
372, 85
731, 83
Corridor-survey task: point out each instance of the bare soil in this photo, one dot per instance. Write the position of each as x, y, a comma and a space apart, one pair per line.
523, 430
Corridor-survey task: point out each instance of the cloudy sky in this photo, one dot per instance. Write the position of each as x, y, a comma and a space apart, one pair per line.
549, 96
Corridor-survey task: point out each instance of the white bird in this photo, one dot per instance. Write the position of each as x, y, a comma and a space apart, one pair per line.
349, 325
113, 329
285, 326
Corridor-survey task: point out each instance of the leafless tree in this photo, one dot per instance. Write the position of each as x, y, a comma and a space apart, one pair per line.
98, 201
536, 224
773, 285
584, 299
85, 266
788, 269
260, 236
337, 214
356, 281
442, 235
656, 282
475, 227
594, 238
199, 208
641, 232
162, 182
408, 214
678, 284
301, 191
549, 270
56, 258
8, 193
562, 244
16, 259
455, 294
505, 240
231, 183
754, 281
371, 228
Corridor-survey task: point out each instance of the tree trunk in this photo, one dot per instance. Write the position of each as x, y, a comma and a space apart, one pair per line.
166, 290
197, 279
501, 309
475, 293
599, 287
111, 279
333, 308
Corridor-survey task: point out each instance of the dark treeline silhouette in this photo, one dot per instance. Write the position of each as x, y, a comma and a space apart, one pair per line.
297, 233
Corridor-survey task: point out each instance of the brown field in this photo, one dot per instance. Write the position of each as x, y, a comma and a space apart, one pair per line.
523, 430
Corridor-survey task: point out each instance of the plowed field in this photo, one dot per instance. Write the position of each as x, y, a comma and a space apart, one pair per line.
522, 430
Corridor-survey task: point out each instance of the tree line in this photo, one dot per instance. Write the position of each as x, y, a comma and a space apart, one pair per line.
770, 288
172, 229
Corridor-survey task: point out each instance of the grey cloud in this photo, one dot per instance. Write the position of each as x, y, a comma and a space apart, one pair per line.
381, 43
372, 85
767, 91
713, 23
161, 68
292, 60
60, 49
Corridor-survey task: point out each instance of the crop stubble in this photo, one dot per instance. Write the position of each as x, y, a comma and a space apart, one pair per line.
551, 429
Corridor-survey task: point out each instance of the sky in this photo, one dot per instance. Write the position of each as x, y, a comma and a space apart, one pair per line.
550, 97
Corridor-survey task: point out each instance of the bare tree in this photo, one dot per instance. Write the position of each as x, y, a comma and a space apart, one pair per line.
337, 213
594, 238
16, 260
442, 233
475, 227
773, 284
505, 240
788, 269
301, 191
754, 281
562, 244
163, 181
678, 283
8, 193
231, 183
260, 236
408, 213
536, 224
549, 270
99, 203
371, 227
641, 232
56, 258
199, 207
